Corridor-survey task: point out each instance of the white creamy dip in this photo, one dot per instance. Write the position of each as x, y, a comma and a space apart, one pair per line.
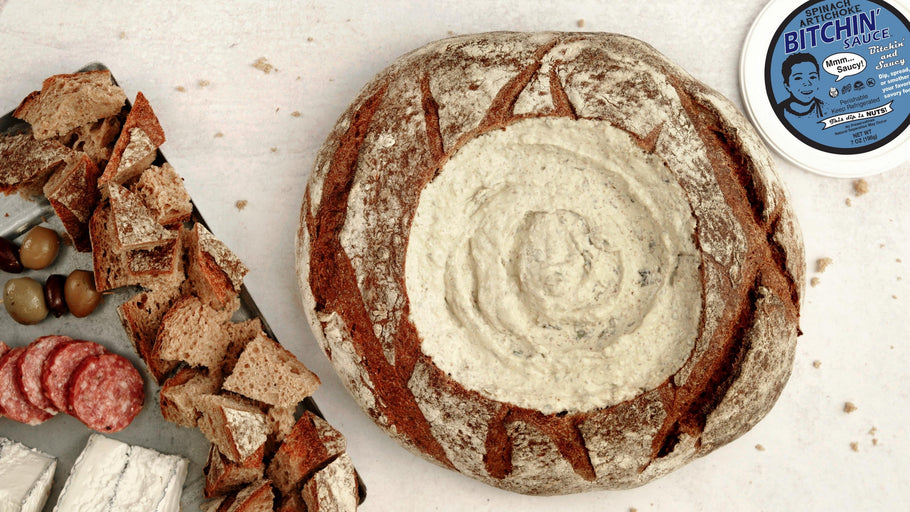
552, 265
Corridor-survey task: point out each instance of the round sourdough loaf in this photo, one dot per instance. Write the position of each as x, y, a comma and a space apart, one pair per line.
553, 262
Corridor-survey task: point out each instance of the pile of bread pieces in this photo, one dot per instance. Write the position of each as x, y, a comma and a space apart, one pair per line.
96, 159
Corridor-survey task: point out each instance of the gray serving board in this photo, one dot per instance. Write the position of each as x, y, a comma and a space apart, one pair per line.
62, 436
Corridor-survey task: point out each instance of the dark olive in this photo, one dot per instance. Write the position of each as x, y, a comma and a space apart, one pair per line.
54, 294
9, 257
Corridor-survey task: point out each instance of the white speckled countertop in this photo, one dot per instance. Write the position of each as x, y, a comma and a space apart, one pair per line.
233, 134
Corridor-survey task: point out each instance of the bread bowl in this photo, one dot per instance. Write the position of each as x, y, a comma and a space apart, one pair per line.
554, 262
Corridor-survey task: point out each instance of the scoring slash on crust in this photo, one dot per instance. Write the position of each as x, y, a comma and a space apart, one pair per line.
402, 133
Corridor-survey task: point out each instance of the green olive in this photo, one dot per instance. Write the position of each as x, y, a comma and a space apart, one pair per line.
23, 299
39, 248
79, 291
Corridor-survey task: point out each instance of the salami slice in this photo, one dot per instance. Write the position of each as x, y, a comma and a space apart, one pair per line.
31, 366
59, 367
4, 348
12, 404
106, 393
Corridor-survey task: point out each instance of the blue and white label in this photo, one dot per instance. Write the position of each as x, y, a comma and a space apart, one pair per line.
838, 74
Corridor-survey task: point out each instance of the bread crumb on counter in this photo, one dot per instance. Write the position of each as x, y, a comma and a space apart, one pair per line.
860, 187
204, 83
849, 407
872, 432
262, 64
241, 204
760, 447
814, 282
218, 135
854, 446
581, 23
273, 149
822, 264
848, 202
309, 39
816, 364
180, 88
296, 113
122, 35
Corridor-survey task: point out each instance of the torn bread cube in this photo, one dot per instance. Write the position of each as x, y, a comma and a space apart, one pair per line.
137, 147
180, 394
26, 477
269, 373
134, 224
256, 497
66, 102
240, 335
281, 421
150, 266
95, 139
141, 318
309, 446
238, 429
216, 273
111, 266
73, 193
192, 332
222, 475
159, 267
162, 191
115, 268
110, 475
332, 488
291, 503
26, 164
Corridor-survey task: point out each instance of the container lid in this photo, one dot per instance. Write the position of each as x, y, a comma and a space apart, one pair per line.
827, 83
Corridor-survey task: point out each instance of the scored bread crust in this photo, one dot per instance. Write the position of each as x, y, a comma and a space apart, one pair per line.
433, 101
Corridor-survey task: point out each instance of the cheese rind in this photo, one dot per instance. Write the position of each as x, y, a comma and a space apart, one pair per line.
113, 476
26, 476
94, 477
150, 482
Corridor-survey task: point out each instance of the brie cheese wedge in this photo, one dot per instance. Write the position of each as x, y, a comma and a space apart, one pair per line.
111, 475
26, 476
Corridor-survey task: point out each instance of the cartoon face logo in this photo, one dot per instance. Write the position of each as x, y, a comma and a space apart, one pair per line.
802, 83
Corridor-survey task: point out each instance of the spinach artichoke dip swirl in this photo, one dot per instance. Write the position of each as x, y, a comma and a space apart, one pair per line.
552, 265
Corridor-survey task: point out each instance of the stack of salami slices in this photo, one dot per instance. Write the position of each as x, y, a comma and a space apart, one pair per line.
56, 374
